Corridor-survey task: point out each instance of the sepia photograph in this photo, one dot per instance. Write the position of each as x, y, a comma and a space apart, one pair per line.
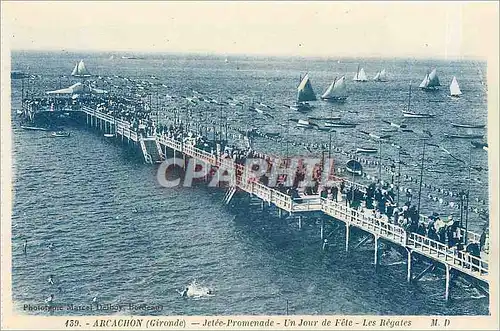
257, 165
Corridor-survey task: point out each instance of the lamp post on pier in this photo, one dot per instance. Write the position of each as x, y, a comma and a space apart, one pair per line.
330, 142
424, 140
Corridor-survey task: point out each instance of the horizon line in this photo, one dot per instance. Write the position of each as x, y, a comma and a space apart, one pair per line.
274, 55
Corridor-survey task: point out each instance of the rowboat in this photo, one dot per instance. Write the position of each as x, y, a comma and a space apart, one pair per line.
34, 128
60, 134
478, 144
340, 125
464, 136
468, 126
366, 150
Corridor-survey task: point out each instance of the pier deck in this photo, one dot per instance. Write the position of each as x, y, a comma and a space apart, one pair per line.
450, 258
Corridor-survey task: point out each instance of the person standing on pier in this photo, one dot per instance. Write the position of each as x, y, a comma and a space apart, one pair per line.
324, 193
335, 192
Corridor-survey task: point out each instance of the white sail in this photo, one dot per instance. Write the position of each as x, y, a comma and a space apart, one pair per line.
425, 82
360, 76
454, 88
433, 79
305, 91
328, 93
75, 70
340, 88
377, 76
383, 76
80, 70
430, 81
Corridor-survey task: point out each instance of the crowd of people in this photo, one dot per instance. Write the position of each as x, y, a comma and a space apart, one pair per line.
378, 201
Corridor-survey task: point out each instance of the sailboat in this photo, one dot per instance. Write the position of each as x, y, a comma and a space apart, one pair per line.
409, 113
381, 76
80, 70
430, 82
305, 93
337, 91
454, 88
360, 75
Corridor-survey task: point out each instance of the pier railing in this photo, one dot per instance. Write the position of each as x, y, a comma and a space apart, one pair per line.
460, 260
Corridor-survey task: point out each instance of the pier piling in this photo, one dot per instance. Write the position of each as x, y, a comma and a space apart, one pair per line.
347, 228
409, 275
447, 286
322, 234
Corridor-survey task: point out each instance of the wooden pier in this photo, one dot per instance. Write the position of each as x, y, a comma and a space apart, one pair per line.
451, 258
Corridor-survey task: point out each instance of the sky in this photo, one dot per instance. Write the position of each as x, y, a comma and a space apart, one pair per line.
415, 29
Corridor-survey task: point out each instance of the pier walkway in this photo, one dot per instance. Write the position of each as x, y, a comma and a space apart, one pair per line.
450, 258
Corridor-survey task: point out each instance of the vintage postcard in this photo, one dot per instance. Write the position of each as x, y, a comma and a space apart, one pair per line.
249, 165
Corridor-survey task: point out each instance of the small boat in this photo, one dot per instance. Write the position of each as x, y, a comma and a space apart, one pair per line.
34, 128
464, 136
354, 167
360, 76
399, 126
109, 135
340, 125
478, 144
410, 114
60, 134
305, 124
468, 126
334, 118
430, 82
366, 150
17, 75
417, 115
454, 88
302, 107
389, 130
336, 92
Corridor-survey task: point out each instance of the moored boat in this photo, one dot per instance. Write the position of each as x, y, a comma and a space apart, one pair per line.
34, 128
340, 125
468, 126
410, 114
478, 144
366, 150
464, 136
354, 167
417, 115
305, 124
332, 118
60, 134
